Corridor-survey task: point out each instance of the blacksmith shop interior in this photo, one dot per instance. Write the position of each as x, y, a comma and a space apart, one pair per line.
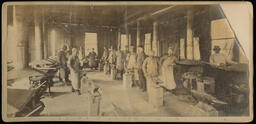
124, 60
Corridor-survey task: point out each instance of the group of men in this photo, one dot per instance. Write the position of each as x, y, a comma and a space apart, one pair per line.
147, 72
126, 61
71, 64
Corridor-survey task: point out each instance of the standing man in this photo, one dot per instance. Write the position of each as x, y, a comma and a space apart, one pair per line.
92, 59
74, 66
132, 64
139, 76
167, 70
119, 63
112, 57
62, 59
112, 62
105, 54
105, 58
150, 68
125, 54
81, 56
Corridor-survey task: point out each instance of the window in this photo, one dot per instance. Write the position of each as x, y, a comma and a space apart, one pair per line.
53, 42
91, 42
222, 36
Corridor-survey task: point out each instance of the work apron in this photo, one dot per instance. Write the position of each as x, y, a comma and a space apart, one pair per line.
155, 94
75, 79
168, 75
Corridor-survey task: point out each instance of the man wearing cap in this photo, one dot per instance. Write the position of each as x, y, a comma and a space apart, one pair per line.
150, 68
167, 70
74, 66
62, 58
218, 58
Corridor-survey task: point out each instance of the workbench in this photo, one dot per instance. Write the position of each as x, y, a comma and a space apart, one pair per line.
47, 68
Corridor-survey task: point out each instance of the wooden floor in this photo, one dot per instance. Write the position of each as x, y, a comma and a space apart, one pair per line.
116, 101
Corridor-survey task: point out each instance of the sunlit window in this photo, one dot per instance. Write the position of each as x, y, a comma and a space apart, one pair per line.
53, 41
91, 41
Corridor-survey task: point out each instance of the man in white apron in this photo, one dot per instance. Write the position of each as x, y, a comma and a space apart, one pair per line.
74, 66
167, 70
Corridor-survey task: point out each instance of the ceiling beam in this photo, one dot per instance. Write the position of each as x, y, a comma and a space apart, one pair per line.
151, 15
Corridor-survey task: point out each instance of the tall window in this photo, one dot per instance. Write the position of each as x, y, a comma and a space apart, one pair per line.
147, 45
91, 42
124, 41
53, 42
222, 36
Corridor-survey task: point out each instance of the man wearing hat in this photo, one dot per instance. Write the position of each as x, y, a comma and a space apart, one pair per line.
218, 58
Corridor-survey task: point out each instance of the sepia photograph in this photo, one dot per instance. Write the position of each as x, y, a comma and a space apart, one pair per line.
127, 61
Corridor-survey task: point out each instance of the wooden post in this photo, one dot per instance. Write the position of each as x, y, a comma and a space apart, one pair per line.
21, 38
189, 46
155, 38
138, 34
38, 36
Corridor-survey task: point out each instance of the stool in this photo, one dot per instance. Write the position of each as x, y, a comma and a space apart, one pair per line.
206, 85
189, 80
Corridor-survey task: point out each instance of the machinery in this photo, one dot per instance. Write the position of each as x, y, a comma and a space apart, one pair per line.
48, 69
26, 102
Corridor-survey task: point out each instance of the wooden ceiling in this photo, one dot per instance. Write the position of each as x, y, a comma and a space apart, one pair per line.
91, 15
109, 16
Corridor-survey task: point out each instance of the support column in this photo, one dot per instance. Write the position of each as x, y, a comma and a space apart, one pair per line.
182, 48
44, 37
21, 38
138, 34
38, 37
189, 45
155, 39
